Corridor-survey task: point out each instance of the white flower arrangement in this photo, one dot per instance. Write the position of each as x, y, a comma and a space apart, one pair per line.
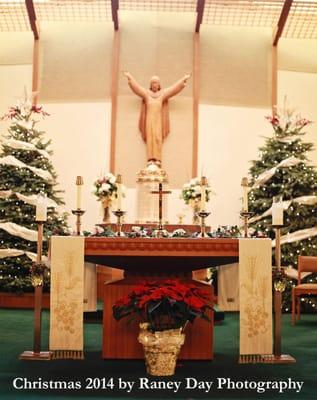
106, 187
191, 191
156, 233
179, 233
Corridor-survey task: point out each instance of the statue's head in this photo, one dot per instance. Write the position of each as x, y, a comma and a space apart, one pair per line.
155, 84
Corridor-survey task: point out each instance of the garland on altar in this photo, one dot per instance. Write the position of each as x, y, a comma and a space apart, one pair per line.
142, 232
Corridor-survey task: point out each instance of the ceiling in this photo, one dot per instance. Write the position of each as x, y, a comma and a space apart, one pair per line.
299, 18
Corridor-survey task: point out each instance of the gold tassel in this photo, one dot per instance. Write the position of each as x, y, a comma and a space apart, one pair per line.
68, 354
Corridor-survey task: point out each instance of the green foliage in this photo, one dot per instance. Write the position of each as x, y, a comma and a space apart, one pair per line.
290, 183
15, 271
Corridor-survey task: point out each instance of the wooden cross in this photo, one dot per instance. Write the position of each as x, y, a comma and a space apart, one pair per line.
160, 192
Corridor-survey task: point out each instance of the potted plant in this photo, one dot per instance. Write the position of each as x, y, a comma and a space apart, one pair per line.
163, 309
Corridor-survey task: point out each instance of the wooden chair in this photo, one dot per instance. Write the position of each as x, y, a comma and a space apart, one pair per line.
305, 264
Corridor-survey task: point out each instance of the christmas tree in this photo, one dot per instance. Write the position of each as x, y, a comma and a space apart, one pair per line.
26, 171
284, 170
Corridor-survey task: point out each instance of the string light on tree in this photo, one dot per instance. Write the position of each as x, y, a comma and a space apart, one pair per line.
294, 179
26, 173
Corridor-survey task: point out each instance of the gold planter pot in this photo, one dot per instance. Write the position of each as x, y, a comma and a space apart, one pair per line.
161, 350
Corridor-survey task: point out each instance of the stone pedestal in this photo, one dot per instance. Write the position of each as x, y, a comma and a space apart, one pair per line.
148, 180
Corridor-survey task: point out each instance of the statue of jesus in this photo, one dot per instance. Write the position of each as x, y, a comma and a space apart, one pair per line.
154, 118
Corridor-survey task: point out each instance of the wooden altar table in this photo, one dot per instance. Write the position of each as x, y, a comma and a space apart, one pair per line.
142, 258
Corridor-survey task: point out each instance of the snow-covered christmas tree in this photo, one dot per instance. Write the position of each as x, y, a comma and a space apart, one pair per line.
26, 171
284, 170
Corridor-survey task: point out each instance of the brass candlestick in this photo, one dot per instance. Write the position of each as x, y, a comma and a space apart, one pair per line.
278, 357
119, 214
79, 213
37, 354
203, 215
245, 215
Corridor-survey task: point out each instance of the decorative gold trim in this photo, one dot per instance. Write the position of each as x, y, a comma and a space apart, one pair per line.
68, 354
265, 359
152, 173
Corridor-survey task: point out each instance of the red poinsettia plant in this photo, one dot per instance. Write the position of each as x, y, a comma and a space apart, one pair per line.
167, 304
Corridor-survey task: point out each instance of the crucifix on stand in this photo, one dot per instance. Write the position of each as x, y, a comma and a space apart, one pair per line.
160, 192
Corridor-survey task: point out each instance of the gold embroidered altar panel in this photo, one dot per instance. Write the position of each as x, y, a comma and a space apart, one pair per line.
67, 292
255, 284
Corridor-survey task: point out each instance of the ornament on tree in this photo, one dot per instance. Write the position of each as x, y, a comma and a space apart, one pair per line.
283, 170
25, 172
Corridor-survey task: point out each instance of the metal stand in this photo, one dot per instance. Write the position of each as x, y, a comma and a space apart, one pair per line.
202, 215
278, 357
37, 354
245, 215
79, 213
119, 214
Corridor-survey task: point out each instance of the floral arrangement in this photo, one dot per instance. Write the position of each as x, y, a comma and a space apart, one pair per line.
191, 191
38, 268
285, 124
158, 234
22, 110
180, 233
105, 187
98, 231
226, 231
38, 271
279, 279
167, 304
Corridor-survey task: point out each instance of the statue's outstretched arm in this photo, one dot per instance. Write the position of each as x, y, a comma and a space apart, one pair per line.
176, 88
136, 88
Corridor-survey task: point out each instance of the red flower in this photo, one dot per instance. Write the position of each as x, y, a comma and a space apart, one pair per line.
159, 301
195, 302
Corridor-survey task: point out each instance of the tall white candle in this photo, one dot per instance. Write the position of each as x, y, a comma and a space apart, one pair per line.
41, 208
277, 212
119, 192
245, 186
79, 183
203, 184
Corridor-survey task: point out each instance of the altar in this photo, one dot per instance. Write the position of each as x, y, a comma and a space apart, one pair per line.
158, 258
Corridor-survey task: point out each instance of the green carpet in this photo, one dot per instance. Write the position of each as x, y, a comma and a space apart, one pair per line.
16, 335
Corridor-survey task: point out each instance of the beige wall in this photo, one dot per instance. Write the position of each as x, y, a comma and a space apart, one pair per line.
80, 141
75, 62
300, 90
16, 48
298, 55
228, 136
13, 79
236, 66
